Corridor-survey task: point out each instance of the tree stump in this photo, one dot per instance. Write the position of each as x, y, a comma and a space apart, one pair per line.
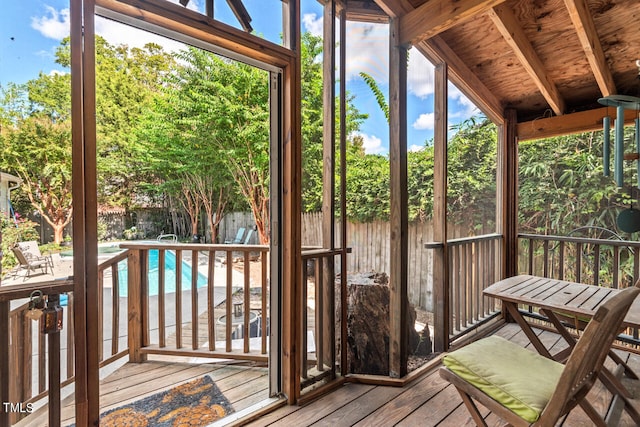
368, 334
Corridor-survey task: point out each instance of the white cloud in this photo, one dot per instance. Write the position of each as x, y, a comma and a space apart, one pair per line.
368, 50
424, 122
54, 25
312, 23
371, 144
468, 108
415, 147
419, 75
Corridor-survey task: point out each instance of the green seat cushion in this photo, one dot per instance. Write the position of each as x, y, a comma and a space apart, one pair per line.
517, 378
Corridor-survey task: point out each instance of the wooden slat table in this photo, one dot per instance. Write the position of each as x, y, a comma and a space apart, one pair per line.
554, 298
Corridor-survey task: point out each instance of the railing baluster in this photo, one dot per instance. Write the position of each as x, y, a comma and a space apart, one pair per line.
561, 261
616, 267
264, 307
320, 324
100, 317
305, 316
531, 251
579, 262
161, 298
229, 300
545, 258
596, 265
457, 283
115, 309
179, 298
247, 300
210, 300
71, 337
194, 299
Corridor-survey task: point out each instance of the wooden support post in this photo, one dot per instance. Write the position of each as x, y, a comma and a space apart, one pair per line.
343, 190
290, 194
398, 246
328, 183
441, 289
507, 180
85, 228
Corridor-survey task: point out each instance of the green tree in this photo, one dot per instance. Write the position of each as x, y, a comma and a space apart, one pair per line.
39, 151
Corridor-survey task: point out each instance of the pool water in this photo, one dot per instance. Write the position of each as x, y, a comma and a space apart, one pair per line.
169, 274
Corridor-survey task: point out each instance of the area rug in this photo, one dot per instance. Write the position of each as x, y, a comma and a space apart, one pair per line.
196, 403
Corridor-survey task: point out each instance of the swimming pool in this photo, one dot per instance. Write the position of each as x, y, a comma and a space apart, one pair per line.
169, 274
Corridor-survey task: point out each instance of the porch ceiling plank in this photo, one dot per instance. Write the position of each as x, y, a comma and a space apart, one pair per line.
508, 25
173, 20
436, 16
588, 36
365, 11
437, 51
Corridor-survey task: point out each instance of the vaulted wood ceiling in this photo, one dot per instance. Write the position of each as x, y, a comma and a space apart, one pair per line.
540, 57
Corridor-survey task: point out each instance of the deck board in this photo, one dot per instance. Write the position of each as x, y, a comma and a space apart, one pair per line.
427, 401
242, 386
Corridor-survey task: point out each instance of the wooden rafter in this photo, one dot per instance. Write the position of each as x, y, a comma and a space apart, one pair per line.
588, 36
437, 51
241, 14
436, 16
508, 25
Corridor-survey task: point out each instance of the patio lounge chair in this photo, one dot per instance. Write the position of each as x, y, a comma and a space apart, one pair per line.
32, 252
238, 239
28, 263
247, 238
525, 388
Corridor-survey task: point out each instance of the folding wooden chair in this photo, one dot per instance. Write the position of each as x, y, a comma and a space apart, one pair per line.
525, 388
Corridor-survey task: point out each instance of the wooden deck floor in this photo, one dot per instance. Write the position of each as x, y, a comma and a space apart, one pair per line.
242, 386
428, 401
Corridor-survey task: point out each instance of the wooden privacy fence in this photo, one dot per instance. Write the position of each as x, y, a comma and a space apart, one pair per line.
369, 243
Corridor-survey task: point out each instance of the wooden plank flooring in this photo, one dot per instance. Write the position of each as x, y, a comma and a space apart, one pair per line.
428, 401
243, 386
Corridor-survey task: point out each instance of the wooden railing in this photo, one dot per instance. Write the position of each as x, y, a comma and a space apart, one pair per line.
21, 383
188, 320
600, 262
474, 263
321, 300
112, 330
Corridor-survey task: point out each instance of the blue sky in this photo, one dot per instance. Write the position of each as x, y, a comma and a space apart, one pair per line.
31, 30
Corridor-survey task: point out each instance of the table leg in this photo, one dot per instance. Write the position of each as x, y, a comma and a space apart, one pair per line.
526, 328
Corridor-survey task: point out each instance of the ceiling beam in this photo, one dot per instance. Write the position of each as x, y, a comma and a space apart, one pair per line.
583, 121
586, 31
436, 16
507, 23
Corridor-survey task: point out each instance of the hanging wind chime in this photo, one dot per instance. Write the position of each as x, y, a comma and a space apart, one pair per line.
629, 219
